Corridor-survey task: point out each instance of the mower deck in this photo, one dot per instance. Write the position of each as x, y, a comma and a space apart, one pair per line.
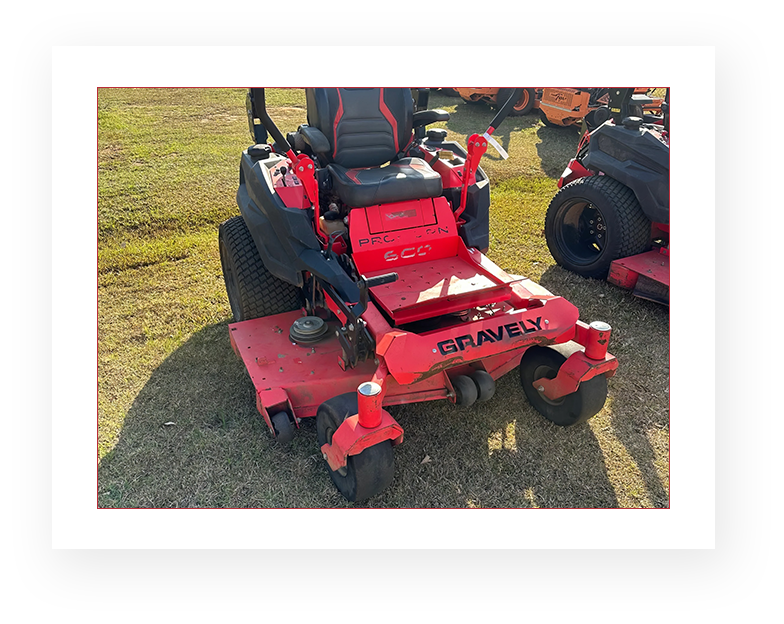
298, 378
275, 363
646, 274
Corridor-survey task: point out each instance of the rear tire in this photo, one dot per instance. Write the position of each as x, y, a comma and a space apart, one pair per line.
252, 290
523, 106
591, 222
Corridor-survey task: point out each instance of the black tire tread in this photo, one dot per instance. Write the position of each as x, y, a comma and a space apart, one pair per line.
635, 227
261, 293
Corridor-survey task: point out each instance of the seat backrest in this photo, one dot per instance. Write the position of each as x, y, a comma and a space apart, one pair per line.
365, 127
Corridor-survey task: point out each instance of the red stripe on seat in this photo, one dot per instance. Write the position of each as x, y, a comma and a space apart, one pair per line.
388, 116
351, 174
338, 116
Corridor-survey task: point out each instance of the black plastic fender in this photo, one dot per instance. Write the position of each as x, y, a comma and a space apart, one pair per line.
284, 236
638, 159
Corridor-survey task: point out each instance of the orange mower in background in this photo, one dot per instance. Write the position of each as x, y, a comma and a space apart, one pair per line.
496, 96
561, 107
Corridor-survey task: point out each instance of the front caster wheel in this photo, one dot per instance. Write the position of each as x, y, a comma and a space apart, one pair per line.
572, 409
366, 474
284, 428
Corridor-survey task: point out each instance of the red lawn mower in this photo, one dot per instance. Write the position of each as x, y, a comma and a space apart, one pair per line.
611, 216
357, 280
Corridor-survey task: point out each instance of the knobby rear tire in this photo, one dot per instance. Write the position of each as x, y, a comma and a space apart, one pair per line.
252, 290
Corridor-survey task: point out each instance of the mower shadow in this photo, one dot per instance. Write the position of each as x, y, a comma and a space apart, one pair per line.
640, 388
556, 147
498, 454
208, 453
218, 453
471, 117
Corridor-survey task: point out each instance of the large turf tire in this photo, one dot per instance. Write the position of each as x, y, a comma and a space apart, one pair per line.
365, 474
252, 290
523, 106
585, 402
591, 222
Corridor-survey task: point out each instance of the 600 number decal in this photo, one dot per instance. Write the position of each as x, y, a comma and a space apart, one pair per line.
408, 252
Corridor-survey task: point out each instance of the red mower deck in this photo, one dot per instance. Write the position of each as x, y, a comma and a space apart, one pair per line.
646, 274
298, 378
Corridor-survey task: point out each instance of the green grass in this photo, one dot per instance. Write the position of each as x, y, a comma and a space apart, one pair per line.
168, 167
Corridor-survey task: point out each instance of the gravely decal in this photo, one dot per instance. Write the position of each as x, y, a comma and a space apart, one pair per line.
512, 330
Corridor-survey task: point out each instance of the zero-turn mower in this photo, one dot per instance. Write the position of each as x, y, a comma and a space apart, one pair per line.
357, 279
613, 205
561, 107
497, 97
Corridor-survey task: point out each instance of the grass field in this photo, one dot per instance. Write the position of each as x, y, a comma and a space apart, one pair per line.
168, 173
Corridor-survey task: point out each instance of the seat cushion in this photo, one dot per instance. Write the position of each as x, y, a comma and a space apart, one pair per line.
402, 180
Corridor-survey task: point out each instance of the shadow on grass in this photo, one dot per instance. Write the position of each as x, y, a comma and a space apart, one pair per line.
556, 147
218, 452
504, 454
640, 389
215, 450
475, 117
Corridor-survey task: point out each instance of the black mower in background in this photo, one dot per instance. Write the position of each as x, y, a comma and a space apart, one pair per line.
610, 218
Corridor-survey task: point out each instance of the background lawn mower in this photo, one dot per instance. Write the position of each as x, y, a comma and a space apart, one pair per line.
497, 97
614, 201
356, 278
566, 106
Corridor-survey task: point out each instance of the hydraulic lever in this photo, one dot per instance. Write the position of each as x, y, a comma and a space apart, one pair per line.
477, 146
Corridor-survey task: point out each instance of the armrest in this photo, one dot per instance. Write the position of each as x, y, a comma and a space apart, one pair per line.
315, 138
425, 117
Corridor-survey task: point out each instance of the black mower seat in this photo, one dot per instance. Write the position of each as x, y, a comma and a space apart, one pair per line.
403, 180
365, 128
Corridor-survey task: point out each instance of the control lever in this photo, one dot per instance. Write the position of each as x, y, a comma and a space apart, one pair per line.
332, 238
477, 146
366, 283
354, 338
